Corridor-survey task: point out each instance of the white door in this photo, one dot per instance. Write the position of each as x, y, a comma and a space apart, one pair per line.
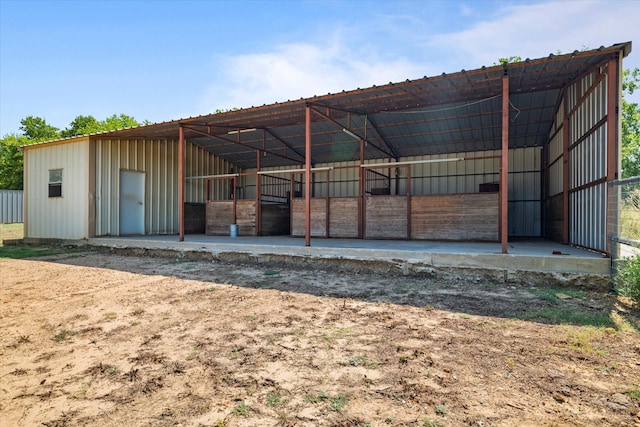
131, 202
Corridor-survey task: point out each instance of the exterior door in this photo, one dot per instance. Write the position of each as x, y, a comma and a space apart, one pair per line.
131, 202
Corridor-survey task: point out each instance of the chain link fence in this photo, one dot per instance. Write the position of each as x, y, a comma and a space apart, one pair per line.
624, 218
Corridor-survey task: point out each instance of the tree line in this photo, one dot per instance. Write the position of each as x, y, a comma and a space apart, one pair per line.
36, 129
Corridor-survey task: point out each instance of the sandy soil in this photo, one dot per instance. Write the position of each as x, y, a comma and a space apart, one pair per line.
105, 339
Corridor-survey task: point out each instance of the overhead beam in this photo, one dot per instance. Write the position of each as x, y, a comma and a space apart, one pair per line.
286, 144
354, 134
230, 141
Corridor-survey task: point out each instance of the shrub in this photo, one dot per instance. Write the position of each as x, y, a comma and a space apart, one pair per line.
627, 278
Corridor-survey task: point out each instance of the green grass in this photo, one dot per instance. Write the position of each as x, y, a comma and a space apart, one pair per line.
11, 231
562, 315
551, 295
242, 410
21, 252
275, 399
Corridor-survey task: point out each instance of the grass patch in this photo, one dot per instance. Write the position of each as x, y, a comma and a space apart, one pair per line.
563, 315
275, 399
582, 339
336, 403
11, 231
242, 410
63, 335
21, 252
635, 392
363, 361
553, 295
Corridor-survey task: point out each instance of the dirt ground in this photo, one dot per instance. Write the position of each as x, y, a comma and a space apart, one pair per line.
109, 339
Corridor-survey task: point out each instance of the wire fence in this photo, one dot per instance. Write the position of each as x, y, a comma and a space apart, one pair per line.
624, 202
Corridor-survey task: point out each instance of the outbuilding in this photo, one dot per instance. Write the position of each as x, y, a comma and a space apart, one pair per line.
518, 150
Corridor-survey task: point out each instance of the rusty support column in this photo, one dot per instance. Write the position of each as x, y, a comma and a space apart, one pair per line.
612, 150
565, 177
258, 193
504, 167
307, 180
181, 183
361, 189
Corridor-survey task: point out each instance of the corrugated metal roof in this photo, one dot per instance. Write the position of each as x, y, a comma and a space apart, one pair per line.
448, 113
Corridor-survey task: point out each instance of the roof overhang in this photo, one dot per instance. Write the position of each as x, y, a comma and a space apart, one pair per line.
458, 112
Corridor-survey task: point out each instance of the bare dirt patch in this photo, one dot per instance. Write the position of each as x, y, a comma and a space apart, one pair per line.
103, 339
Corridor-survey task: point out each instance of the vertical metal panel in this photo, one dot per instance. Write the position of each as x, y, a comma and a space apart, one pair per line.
63, 217
159, 160
587, 162
525, 195
11, 206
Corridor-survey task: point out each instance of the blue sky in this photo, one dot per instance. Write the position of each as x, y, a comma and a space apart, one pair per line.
164, 60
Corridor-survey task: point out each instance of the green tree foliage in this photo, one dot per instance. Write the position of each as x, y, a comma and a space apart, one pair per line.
84, 125
630, 125
509, 60
11, 161
37, 129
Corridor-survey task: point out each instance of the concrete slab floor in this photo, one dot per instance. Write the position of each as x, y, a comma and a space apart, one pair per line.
535, 255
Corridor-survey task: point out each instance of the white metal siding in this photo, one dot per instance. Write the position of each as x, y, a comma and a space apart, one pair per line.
158, 159
63, 217
11, 206
588, 163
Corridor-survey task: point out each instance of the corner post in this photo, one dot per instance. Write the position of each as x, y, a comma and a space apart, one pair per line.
181, 183
307, 179
613, 123
504, 166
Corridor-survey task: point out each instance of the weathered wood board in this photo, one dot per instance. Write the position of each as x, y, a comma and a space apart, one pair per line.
472, 216
386, 217
318, 217
343, 217
246, 217
219, 217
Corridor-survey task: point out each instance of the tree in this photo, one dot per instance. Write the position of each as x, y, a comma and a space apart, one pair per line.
11, 161
37, 129
119, 122
630, 125
82, 125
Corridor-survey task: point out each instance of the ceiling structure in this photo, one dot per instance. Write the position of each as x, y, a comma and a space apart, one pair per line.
456, 112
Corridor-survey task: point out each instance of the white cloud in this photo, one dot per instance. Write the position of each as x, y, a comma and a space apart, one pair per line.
295, 70
299, 70
536, 30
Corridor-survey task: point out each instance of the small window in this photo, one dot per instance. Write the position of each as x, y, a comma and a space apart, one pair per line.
55, 183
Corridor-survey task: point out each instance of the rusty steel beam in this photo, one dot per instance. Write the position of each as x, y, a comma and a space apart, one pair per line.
504, 167
307, 182
181, 183
286, 144
358, 136
382, 137
242, 144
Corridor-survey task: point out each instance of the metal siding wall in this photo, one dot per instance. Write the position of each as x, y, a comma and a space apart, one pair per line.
11, 206
587, 164
63, 217
158, 159
525, 196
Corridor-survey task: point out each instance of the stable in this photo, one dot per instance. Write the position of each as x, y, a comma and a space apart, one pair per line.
520, 150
